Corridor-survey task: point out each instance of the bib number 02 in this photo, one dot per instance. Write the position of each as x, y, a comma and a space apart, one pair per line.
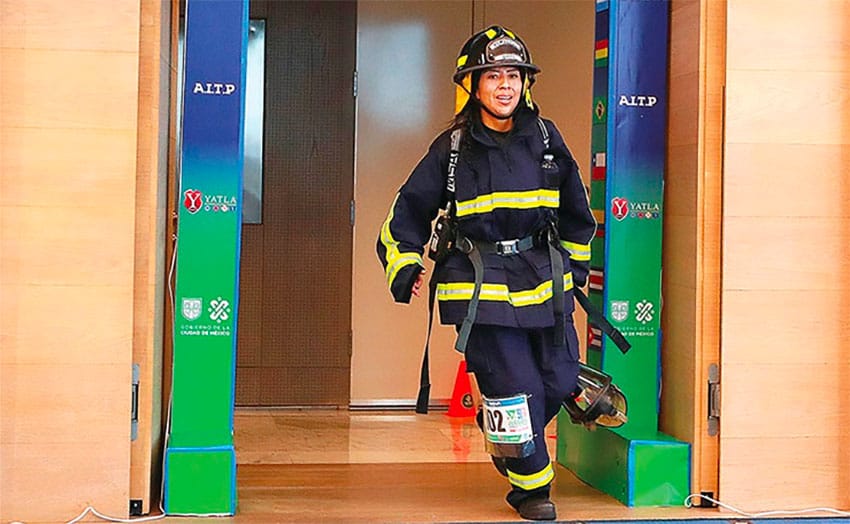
507, 427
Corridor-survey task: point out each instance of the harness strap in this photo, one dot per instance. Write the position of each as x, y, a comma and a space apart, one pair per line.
474, 255
424, 373
557, 264
599, 319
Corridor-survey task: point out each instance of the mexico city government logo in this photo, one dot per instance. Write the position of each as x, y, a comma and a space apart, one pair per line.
192, 308
619, 310
219, 309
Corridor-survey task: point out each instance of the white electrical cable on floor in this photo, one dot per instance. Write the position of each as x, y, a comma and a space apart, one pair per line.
689, 503
100, 515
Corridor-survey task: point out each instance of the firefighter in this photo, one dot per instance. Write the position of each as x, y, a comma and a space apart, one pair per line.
519, 227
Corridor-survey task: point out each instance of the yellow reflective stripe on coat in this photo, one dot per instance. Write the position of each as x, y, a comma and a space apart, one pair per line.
508, 200
500, 292
395, 258
403, 260
533, 481
580, 252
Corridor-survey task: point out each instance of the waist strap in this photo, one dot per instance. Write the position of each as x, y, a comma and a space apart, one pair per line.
506, 247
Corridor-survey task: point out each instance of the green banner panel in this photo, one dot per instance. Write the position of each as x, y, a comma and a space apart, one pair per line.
629, 466
201, 482
200, 473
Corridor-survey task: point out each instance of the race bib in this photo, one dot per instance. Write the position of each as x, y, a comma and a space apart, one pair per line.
507, 420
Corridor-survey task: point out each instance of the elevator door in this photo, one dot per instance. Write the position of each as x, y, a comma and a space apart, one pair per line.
294, 334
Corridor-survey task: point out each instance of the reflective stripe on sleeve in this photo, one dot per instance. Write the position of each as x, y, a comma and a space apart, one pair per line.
533, 481
395, 258
580, 252
508, 200
500, 292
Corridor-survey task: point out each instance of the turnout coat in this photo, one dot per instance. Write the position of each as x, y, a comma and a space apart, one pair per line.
502, 192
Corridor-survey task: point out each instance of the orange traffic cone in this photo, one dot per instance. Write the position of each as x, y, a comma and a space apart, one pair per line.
462, 404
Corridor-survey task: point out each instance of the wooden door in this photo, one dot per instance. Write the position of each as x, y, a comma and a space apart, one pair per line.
294, 334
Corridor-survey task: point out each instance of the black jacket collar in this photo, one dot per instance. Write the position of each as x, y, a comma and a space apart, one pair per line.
525, 124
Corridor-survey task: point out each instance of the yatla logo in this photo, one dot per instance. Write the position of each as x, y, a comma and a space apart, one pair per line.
637, 100
213, 88
619, 208
194, 200
622, 208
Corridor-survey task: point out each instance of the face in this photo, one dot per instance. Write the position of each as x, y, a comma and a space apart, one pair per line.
499, 90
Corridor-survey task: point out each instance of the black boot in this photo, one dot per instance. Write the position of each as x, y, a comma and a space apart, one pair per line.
537, 508
499, 462
534, 505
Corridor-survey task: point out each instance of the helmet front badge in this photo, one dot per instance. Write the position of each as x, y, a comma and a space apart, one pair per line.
505, 50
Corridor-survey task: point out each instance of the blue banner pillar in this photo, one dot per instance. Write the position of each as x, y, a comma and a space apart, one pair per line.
200, 461
635, 463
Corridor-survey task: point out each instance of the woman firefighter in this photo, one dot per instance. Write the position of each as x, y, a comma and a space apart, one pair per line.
512, 240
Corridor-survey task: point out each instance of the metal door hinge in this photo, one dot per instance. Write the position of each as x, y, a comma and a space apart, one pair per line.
351, 213
713, 399
354, 84
134, 407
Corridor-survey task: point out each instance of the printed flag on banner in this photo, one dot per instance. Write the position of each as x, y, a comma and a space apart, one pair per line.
601, 53
598, 170
599, 111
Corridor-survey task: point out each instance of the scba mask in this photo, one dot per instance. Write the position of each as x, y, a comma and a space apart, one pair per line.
596, 401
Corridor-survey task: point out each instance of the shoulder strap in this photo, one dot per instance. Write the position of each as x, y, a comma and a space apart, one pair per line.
454, 153
544, 132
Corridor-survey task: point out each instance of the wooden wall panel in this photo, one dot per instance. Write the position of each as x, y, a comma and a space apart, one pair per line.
786, 472
691, 255
784, 418
784, 252
68, 117
784, 107
149, 259
761, 343
821, 168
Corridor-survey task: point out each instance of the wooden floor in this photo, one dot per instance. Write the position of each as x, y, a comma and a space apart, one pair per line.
349, 467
